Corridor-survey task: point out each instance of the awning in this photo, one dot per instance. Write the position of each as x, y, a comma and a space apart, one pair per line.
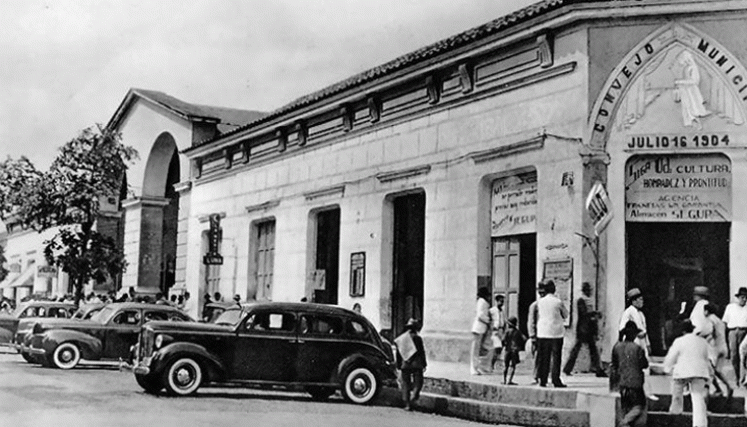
24, 279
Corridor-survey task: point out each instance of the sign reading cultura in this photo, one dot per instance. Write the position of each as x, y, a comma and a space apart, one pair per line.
678, 188
514, 205
693, 74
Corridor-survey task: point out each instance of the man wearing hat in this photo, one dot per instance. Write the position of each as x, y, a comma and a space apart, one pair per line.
634, 312
411, 362
703, 327
735, 318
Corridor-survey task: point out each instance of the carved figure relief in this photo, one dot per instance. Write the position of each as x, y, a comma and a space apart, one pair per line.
693, 90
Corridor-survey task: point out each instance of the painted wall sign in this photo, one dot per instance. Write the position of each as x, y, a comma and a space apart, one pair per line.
514, 205
658, 142
46, 271
215, 235
560, 271
678, 188
692, 71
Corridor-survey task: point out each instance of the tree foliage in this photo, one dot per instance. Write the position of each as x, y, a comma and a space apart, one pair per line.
88, 169
3, 270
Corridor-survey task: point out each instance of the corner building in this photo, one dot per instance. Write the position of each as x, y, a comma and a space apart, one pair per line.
467, 163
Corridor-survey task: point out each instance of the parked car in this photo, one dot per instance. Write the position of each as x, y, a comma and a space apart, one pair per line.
31, 310
213, 310
25, 327
108, 334
314, 347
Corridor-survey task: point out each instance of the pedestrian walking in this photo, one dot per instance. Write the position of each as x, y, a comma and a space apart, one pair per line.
498, 329
634, 313
689, 364
718, 350
551, 315
532, 330
735, 319
480, 331
411, 362
513, 343
698, 317
627, 376
586, 333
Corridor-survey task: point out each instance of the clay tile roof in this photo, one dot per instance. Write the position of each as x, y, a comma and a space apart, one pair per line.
415, 57
228, 119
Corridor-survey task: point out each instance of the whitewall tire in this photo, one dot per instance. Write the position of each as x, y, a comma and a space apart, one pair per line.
183, 377
66, 356
360, 385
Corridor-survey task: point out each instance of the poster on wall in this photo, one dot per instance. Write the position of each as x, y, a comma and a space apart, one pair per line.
357, 274
678, 188
560, 271
514, 205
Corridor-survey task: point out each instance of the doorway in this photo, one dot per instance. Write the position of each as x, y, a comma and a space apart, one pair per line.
514, 274
328, 255
666, 261
409, 260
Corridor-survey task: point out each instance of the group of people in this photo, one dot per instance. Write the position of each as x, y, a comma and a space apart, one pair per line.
495, 337
695, 359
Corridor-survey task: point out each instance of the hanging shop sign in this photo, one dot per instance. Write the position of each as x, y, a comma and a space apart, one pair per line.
599, 206
213, 257
514, 205
678, 188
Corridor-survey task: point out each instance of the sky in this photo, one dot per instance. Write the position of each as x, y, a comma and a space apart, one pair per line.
68, 64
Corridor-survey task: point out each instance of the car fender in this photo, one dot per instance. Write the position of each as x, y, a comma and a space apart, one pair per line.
161, 358
90, 347
371, 359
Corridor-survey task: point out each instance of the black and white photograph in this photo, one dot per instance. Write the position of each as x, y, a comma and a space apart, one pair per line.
355, 213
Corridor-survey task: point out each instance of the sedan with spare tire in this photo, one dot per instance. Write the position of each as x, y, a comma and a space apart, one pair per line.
294, 346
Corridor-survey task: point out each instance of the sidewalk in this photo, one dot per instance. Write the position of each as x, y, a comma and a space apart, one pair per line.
589, 383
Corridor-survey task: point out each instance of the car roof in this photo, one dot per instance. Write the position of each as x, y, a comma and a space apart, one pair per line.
141, 305
307, 307
48, 303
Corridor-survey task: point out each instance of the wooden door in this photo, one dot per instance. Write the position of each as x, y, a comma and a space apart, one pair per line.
506, 273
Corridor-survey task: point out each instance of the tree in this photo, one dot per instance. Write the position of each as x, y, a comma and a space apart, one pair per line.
87, 169
3, 270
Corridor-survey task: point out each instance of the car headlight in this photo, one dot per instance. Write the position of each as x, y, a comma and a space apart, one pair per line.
159, 341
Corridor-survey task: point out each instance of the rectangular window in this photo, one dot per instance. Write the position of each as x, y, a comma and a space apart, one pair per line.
264, 258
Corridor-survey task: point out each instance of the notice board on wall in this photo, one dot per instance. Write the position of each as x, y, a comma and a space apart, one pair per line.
560, 271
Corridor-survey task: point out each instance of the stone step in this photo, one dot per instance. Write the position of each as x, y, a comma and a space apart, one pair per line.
663, 419
527, 396
716, 404
501, 413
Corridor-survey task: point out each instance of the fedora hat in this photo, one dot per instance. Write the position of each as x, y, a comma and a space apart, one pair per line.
741, 291
633, 294
700, 291
513, 321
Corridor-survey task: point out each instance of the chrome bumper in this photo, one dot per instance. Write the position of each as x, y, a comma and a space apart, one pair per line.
32, 350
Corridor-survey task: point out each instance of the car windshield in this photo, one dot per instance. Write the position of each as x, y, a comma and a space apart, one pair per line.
103, 315
230, 317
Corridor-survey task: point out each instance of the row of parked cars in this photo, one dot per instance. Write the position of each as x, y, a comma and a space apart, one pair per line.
312, 347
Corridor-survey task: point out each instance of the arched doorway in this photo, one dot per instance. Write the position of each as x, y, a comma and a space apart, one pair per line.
159, 217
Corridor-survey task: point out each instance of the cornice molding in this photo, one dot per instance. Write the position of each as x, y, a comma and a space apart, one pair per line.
270, 204
403, 173
338, 190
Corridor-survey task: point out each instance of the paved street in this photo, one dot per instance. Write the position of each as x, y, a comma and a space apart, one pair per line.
100, 395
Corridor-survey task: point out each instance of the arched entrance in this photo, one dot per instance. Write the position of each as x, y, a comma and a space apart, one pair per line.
671, 119
159, 217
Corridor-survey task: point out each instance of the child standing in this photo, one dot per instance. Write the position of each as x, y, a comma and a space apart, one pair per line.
513, 342
498, 327
411, 362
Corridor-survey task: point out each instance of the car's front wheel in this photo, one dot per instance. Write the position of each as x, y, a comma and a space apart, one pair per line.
66, 356
149, 383
182, 377
360, 385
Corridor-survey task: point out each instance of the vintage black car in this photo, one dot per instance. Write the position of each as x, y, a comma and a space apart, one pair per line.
108, 334
31, 310
314, 347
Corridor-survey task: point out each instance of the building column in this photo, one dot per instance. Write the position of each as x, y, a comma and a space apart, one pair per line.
184, 189
143, 243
